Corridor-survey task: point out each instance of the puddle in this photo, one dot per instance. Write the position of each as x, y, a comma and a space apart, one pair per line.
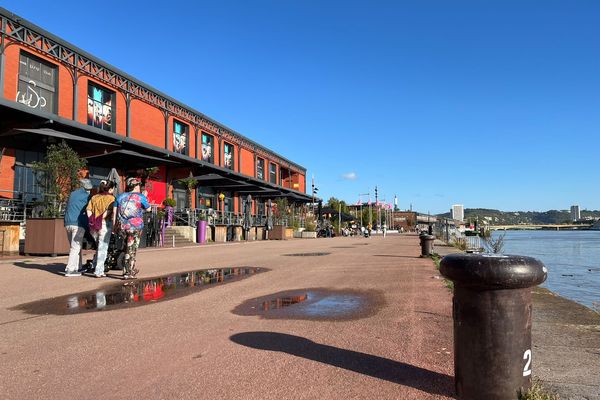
138, 292
306, 254
361, 244
314, 304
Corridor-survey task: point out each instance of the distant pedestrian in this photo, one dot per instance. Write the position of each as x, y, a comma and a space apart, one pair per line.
384, 230
101, 212
131, 206
76, 223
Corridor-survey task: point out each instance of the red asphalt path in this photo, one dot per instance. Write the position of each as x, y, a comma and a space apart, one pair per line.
194, 347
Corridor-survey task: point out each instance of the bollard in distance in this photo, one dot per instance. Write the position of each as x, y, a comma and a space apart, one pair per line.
492, 323
426, 245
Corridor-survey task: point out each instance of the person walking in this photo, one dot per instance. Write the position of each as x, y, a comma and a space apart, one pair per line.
101, 212
384, 230
130, 214
76, 223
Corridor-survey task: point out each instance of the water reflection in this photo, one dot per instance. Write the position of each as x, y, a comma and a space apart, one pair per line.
282, 302
138, 292
314, 304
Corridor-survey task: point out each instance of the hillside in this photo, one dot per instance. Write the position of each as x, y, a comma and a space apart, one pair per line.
497, 217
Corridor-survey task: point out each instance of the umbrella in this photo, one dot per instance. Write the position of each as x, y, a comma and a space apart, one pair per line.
113, 176
269, 215
248, 213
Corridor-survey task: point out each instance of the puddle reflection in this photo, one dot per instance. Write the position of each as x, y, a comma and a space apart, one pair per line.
138, 292
314, 304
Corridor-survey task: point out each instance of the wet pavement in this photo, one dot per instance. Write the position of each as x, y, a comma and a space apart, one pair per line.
137, 292
381, 329
318, 304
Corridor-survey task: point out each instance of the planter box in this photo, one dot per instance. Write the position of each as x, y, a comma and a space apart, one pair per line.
297, 234
220, 233
9, 237
260, 233
237, 234
46, 236
277, 233
289, 233
250, 234
309, 235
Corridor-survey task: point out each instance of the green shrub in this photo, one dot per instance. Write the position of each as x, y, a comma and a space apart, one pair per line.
537, 392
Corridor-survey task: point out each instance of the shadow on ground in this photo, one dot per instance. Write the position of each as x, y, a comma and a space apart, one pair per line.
367, 364
55, 268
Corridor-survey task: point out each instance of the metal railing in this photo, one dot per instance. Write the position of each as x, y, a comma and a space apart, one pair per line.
190, 217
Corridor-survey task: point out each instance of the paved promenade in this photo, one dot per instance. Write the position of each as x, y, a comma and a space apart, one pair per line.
399, 346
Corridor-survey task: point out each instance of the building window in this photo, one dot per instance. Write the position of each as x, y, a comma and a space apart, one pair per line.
180, 138
100, 107
273, 173
37, 83
207, 148
228, 155
260, 168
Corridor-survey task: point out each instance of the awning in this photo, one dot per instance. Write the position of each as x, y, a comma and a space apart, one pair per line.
245, 186
38, 139
127, 159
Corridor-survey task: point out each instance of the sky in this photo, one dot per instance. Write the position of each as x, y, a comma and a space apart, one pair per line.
489, 104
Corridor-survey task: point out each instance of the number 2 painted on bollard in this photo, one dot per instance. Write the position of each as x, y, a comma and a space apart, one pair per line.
527, 368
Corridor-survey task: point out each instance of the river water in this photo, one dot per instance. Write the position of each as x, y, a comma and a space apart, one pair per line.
572, 259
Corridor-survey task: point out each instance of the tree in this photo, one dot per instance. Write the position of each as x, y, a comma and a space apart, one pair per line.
59, 174
190, 184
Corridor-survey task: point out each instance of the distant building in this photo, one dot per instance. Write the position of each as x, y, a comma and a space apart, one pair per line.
575, 213
458, 212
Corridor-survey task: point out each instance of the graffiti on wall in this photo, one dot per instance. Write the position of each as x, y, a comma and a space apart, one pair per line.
31, 98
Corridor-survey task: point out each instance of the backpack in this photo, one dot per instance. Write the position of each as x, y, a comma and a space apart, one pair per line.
95, 222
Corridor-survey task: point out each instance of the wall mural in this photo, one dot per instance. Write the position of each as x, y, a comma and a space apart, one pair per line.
228, 156
260, 168
99, 112
207, 148
180, 138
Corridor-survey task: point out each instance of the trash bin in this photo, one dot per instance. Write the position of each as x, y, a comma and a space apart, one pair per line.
201, 231
492, 323
426, 244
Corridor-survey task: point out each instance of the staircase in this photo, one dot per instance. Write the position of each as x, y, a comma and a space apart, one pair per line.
180, 239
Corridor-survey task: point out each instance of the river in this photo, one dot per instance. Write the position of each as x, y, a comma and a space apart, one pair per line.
572, 259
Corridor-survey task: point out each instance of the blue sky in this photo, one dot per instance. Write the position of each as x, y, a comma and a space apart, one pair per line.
492, 104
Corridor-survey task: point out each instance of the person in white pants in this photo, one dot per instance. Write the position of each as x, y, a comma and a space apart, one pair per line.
76, 223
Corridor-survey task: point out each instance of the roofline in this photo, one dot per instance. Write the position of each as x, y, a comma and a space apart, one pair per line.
133, 142
28, 24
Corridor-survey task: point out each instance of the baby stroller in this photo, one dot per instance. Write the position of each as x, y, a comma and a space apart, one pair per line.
115, 256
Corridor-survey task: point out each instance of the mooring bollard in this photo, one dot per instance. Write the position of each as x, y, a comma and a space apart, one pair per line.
492, 323
426, 244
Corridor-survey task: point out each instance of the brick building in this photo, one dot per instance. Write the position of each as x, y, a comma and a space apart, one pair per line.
50, 90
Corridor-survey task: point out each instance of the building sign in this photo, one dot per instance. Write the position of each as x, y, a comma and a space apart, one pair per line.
99, 113
260, 168
180, 138
207, 148
37, 83
228, 155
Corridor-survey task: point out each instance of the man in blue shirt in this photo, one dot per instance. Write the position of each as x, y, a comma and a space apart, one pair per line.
76, 222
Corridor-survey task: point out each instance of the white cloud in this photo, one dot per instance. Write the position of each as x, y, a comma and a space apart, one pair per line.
350, 176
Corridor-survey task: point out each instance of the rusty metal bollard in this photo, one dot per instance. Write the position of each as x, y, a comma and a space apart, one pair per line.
492, 323
426, 244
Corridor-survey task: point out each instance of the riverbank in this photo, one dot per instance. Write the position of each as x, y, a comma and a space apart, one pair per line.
566, 343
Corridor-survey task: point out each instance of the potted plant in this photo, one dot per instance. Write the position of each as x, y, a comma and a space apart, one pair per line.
310, 230
59, 174
190, 184
169, 204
